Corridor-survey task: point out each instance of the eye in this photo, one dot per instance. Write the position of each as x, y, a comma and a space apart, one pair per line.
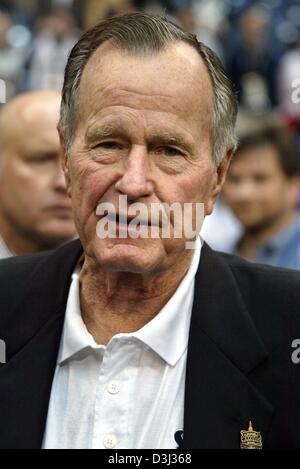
169, 151
233, 179
39, 159
261, 178
109, 145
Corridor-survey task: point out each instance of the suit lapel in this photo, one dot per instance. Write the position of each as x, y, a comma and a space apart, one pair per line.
26, 379
223, 348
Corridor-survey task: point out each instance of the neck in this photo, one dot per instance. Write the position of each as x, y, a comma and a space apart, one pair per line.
115, 302
254, 238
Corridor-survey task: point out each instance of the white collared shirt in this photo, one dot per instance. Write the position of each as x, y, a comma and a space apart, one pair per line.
4, 251
130, 393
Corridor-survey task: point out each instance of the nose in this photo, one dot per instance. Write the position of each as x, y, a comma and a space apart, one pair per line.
245, 191
134, 181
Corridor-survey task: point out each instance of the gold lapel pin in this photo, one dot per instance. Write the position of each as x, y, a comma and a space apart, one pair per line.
250, 439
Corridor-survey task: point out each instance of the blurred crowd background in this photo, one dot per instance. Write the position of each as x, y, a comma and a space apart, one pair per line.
258, 41
259, 45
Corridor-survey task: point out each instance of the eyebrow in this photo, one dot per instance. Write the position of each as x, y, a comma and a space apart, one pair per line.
101, 132
172, 139
164, 138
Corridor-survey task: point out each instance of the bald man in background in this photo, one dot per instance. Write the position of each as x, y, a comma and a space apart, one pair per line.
35, 211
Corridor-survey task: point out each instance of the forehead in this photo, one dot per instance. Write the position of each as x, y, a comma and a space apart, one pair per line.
35, 127
260, 158
174, 80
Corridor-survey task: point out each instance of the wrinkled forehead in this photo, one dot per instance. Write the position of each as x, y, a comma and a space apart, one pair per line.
175, 77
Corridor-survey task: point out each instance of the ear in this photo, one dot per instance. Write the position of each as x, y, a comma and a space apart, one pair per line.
64, 159
219, 179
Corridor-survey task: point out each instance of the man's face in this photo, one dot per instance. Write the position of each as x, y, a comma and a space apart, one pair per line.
32, 187
143, 131
257, 189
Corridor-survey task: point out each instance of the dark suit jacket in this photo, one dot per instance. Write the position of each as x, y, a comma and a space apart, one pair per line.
239, 365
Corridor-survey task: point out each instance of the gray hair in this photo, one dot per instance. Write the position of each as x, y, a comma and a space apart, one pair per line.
142, 34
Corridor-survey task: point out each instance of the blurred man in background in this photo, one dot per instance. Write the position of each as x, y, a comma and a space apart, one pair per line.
35, 212
262, 190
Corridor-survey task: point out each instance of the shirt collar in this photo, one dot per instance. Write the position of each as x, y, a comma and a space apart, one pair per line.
75, 336
283, 237
166, 334
278, 241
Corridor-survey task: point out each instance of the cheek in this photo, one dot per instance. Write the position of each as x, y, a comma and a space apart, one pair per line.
229, 193
197, 186
88, 185
278, 198
271, 193
24, 183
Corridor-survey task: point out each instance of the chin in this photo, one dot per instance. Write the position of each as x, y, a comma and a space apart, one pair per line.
254, 225
125, 257
59, 230
51, 237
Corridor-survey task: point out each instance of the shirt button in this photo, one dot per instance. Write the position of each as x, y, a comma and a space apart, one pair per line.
110, 441
113, 387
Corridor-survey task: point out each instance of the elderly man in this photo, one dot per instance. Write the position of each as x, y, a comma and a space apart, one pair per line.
127, 341
35, 211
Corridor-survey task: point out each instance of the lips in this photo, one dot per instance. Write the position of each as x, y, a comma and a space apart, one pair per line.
63, 211
126, 219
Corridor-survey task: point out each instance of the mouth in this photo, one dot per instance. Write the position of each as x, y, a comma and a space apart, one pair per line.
62, 211
125, 220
